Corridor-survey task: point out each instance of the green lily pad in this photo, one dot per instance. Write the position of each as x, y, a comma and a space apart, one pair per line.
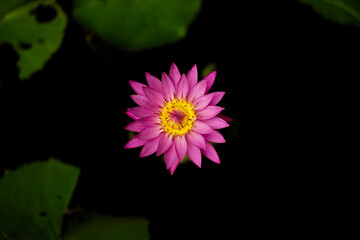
34, 39
135, 25
33, 199
8, 5
95, 226
340, 11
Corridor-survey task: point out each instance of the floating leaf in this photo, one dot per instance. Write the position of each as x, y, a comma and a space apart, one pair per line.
33, 199
137, 24
9, 5
94, 226
34, 28
340, 11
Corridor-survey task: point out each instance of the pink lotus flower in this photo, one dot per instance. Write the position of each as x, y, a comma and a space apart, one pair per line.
176, 117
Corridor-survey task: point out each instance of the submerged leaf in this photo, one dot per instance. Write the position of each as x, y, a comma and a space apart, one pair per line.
33, 199
340, 11
137, 24
94, 226
35, 29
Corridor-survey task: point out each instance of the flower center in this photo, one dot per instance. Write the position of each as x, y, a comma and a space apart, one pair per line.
177, 117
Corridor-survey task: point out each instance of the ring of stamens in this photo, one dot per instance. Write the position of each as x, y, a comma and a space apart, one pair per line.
177, 117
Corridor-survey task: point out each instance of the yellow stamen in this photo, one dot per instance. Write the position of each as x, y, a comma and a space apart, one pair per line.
177, 117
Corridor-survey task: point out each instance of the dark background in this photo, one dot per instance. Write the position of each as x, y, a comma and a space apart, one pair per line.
279, 64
